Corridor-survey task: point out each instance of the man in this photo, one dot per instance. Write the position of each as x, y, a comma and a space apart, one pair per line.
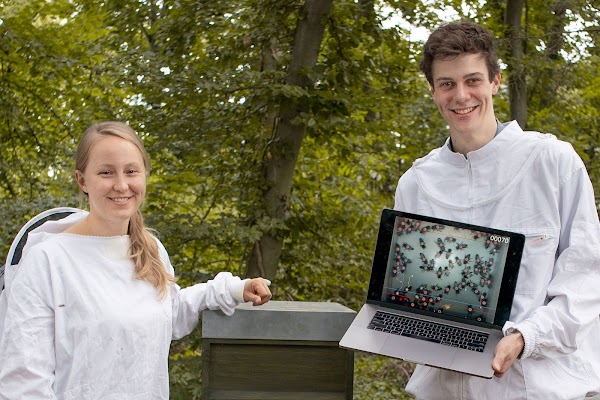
496, 175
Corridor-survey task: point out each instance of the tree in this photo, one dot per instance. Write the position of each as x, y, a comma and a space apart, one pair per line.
517, 78
282, 152
213, 87
50, 88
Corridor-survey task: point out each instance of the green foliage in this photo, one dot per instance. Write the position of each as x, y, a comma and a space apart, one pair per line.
574, 116
380, 378
202, 82
185, 371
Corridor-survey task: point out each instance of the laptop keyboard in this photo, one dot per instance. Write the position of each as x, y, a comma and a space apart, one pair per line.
425, 330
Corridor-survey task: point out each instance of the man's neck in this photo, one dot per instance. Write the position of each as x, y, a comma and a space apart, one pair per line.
466, 143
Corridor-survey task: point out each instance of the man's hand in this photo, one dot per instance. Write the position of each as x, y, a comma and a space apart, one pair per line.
507, 351
257, 291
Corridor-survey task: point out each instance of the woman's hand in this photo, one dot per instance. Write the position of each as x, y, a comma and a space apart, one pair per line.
257, 291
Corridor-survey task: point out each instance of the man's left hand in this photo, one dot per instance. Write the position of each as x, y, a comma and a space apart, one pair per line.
508, 350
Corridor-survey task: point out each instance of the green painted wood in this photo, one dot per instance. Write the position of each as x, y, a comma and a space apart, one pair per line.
280, 365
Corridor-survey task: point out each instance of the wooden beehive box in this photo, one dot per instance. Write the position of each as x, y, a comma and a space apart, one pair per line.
282, 350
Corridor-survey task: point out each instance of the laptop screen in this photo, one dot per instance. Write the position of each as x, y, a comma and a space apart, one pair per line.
451, 269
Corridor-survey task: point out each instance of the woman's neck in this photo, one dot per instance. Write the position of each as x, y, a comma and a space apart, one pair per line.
91, 227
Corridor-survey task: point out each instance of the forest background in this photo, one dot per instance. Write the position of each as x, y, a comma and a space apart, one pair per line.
277, 129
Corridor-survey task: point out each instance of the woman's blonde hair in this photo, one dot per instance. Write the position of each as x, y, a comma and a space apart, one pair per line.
144, 248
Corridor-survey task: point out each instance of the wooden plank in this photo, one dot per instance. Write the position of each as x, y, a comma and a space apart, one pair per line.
245, 395
277, 368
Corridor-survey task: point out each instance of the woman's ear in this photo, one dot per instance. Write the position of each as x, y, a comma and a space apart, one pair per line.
80, 181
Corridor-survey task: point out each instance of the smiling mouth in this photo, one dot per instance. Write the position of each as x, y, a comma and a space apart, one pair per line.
463, 111
119, 199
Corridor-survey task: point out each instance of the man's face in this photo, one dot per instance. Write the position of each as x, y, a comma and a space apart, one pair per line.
463, 93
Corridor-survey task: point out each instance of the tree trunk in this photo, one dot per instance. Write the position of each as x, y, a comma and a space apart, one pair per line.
370, 24
554, 45
517, 86
282, 153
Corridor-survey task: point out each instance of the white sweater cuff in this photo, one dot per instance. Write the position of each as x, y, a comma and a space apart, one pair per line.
236, 289
529, 332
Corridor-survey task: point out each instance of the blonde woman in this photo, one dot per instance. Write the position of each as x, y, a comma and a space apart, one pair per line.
92, 310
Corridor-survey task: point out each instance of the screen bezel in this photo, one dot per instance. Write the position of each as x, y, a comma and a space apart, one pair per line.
382, 252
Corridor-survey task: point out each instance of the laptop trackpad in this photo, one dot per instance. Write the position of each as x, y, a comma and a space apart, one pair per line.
418, 351
474, 363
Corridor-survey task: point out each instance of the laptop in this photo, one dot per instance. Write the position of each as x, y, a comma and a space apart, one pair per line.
439, 294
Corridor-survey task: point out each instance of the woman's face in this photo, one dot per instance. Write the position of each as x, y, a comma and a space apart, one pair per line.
115, 181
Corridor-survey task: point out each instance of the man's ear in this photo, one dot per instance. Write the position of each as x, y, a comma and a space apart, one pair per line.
80, 181
496, 83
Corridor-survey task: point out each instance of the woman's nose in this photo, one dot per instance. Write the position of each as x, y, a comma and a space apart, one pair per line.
120, 183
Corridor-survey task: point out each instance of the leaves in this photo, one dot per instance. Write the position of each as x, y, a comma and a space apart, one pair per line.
202, 83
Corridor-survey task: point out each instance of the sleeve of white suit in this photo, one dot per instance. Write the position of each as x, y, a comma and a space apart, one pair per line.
574, 299
224, 293
27, 354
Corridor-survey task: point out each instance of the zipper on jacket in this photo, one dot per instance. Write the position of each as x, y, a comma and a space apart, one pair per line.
539, 239
470, 175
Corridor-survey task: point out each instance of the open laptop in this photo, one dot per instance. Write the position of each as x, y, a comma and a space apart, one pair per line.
439, 294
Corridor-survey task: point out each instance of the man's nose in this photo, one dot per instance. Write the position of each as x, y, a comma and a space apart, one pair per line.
462, 92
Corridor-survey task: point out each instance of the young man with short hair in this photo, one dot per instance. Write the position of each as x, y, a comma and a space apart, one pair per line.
497, 175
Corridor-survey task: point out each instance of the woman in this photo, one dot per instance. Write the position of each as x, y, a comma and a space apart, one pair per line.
92, 310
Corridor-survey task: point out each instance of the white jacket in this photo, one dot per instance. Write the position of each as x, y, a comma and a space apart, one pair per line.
80, 326
534, 184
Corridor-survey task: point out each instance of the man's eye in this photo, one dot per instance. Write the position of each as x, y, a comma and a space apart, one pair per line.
105, 172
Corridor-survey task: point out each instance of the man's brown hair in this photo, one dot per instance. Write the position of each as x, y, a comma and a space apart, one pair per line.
452, 39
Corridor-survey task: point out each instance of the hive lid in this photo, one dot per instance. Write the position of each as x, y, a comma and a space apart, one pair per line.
280, 320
